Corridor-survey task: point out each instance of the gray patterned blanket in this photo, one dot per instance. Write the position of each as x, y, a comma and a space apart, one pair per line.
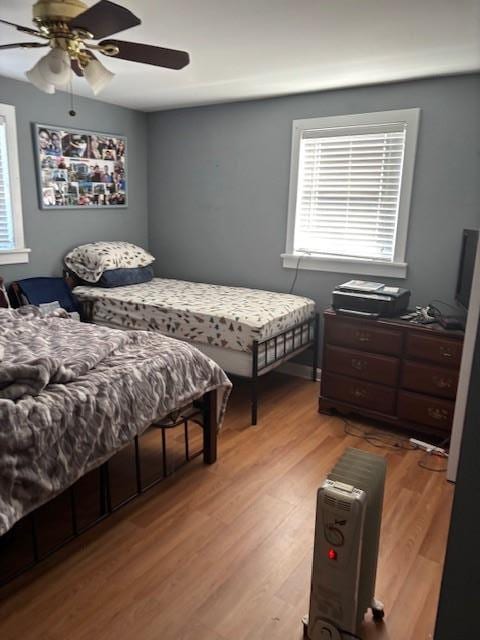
73, 394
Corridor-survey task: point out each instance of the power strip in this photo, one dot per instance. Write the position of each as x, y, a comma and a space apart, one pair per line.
429, 448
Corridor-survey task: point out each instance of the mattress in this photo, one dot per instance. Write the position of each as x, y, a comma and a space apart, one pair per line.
240, 363
205, 314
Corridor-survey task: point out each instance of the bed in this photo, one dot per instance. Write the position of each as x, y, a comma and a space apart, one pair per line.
73, 395
248, 332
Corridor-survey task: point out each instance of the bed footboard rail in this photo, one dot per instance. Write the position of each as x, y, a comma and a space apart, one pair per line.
128, 474
270, 353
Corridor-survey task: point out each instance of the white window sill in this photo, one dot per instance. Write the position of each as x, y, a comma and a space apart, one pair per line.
14, 256
345, 265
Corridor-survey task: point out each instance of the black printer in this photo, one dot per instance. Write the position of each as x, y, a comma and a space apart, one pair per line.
370, 299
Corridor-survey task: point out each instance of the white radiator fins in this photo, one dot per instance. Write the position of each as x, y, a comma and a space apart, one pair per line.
347, 532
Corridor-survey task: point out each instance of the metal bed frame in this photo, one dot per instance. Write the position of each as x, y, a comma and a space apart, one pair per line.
267, 354
203, 413
282, 346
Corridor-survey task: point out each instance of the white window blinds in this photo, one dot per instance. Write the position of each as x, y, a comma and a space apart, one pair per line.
348, 191
7, 240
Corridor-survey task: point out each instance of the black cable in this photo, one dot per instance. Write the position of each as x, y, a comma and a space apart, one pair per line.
444, 442
378, 438
434, 311
349, 634
296, 275
383, 440
445, 304
422, 464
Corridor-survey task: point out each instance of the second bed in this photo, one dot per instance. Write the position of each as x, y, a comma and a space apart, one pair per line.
248, 332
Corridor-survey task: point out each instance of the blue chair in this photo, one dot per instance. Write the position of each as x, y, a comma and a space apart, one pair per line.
42, 290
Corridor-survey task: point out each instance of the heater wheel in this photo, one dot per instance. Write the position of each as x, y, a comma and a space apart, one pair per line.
378, 614
378, 610
305, 626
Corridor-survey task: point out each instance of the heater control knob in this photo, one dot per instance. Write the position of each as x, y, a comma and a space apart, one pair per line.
334, 536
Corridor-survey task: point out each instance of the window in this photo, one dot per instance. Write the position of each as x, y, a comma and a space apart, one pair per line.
350, 185
12, 247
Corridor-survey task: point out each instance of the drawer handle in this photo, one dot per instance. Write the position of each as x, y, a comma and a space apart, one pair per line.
359, 393
438, 414
359, 365
363, 336
445, 352
443, 383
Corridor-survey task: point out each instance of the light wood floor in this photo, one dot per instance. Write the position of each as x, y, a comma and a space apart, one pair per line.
223, 553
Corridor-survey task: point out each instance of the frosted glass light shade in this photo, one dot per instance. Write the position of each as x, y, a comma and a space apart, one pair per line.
36, 78
53, 70
55, 67
97, 76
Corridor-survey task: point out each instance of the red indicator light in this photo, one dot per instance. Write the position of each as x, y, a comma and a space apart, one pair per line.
332, 554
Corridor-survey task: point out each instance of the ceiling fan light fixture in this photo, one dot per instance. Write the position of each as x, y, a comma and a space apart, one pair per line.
55, 67
35, 76
52, 71
97, 76
67, 26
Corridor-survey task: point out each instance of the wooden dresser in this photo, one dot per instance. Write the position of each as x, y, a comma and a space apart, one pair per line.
391, 370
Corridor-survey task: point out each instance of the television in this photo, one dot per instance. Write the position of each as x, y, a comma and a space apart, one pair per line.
467, 265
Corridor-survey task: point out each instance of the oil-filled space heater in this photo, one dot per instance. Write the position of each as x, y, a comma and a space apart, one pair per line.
347, 534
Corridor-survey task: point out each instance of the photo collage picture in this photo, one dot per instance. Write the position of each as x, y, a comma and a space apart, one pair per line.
80, 169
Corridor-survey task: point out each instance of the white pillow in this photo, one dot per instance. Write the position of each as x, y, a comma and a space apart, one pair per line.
89, 261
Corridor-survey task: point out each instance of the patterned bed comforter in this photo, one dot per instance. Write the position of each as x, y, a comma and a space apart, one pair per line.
72, 394
229, 317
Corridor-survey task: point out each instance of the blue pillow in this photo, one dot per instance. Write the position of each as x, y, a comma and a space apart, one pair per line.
123, 277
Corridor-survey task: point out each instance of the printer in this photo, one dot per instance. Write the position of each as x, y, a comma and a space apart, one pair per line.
370, 299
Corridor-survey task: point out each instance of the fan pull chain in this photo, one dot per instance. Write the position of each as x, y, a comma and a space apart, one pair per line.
72, 111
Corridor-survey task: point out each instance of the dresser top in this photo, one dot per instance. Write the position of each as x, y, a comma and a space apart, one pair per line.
434, 328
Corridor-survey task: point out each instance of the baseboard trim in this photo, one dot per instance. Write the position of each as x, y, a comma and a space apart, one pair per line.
298, 370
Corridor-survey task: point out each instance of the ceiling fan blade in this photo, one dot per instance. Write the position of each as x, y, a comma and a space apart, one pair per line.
19, 27
76, 67
104, 19
147, 54
23, 45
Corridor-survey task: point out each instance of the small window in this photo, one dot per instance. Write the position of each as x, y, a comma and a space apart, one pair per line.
12, 247
350, 186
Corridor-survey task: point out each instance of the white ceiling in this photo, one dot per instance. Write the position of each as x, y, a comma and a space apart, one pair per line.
243, 49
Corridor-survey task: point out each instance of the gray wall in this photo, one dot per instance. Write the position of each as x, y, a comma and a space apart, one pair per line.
50, 234
218, 185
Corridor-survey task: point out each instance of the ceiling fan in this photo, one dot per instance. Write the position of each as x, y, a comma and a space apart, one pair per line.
69, 26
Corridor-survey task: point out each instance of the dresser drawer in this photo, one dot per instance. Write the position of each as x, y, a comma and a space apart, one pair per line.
363, 394
367, 366
427, 378
425, 410
363, 336
434, 349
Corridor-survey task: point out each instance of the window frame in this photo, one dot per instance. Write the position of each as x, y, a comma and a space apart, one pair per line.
346, 264
19, 254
